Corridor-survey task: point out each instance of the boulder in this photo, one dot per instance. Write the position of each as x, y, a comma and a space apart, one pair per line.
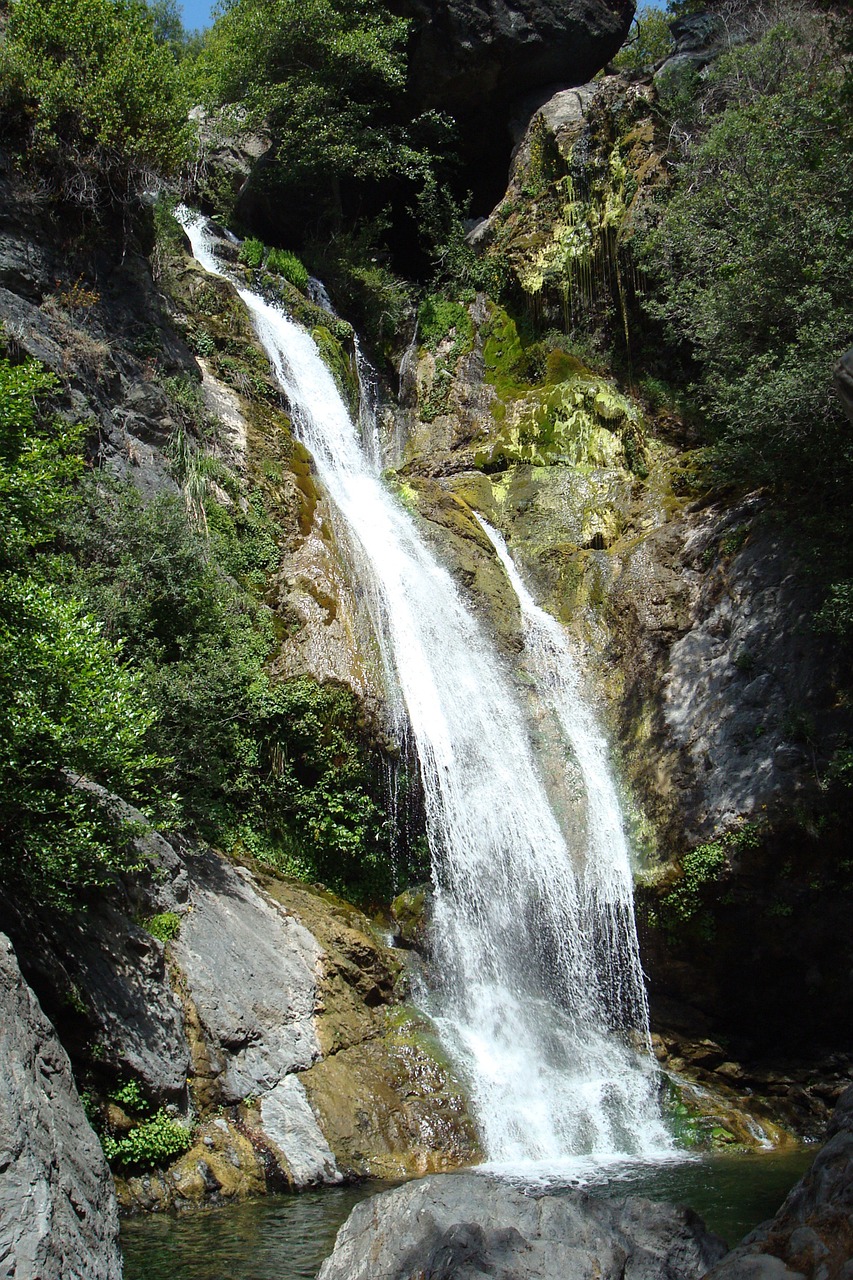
58, 1214
698, 39
465, 1226
811, 1236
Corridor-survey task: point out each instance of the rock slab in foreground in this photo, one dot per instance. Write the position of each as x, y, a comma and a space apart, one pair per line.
58, 1215
467, 1226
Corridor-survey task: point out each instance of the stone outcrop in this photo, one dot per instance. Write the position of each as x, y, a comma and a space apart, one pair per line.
477, 62
58, 1215
811, 1235
271, 1021
465, 1226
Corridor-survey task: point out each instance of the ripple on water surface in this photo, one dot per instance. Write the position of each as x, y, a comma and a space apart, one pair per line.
287, 1237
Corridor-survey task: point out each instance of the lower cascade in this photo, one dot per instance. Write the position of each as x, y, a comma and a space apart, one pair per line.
537, 987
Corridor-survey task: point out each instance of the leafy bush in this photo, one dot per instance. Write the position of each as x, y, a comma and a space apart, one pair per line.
649, 41
252, 252
321, 73
130, 1097
166, 927
686, 903
68, 703
149, 1144
836, 613
753, 258
282, 768
438, 318
94, 96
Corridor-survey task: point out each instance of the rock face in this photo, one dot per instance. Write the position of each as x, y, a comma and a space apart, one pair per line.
271, 1022
476, 62
58, 1215
812, 1234
460, 1227
695, 620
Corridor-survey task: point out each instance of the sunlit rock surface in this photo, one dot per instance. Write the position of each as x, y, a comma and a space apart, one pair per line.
467, 1226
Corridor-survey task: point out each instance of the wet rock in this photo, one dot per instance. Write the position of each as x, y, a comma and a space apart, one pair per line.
391, 1106
58, 1215
250, 972
469, 1225
812, 1233
409, 911
289, 1124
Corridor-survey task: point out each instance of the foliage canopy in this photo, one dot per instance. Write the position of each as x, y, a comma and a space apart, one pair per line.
68, 704
92, 91
324, 74
753, 256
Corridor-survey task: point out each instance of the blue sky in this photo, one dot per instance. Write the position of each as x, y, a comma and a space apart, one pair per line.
196, 13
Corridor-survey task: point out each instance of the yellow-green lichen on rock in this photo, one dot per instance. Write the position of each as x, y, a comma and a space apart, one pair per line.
586, 166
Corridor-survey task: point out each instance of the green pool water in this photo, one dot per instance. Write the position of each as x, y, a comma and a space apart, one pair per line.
287, 1237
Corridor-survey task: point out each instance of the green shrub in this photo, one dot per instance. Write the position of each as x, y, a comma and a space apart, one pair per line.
149, 1144
252, 252
93, 97
283, 768
438, 318
836, 613
648, 42
322, 74
753, 257
288, 265
130, 1097
686, 905
69, 705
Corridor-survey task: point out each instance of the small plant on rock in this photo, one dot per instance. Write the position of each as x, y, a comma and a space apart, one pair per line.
165, 926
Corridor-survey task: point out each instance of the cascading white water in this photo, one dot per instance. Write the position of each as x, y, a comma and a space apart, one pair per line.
538, 991
606, 884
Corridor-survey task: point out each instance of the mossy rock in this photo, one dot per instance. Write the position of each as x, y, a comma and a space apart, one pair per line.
390, 1107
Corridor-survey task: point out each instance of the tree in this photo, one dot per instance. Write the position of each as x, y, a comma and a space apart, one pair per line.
753, 257
327, 78
92, 94
68, 705
649, 41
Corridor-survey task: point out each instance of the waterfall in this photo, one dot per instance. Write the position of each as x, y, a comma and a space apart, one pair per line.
537, 989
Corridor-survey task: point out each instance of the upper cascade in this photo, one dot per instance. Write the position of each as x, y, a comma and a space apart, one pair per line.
537, 988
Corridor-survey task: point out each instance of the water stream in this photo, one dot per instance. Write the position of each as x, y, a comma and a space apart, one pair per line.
538, 990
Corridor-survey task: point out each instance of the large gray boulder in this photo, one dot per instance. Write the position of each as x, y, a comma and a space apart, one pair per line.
811, 1236
466, 1226
58, 1215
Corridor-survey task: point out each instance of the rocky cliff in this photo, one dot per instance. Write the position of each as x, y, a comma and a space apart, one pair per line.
58, 1214
260, 1019
695, 616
